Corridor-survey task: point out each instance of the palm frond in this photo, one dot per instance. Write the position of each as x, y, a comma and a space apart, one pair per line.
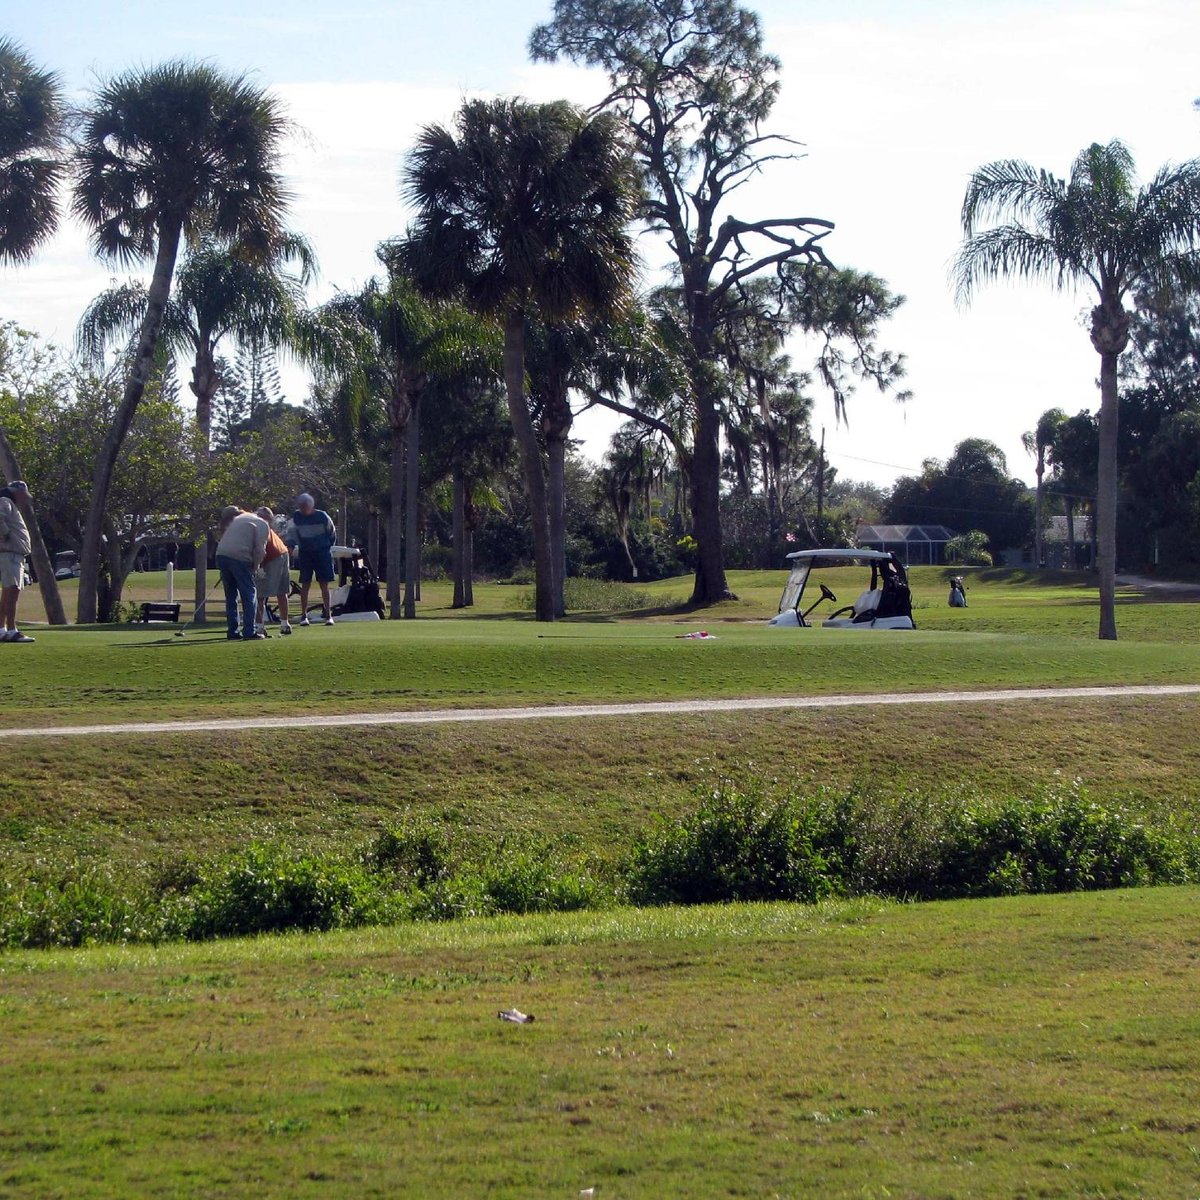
31, 163
179, 142
1012, 189
1010, 250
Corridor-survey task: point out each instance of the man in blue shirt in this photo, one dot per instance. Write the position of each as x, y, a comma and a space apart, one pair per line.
313, 534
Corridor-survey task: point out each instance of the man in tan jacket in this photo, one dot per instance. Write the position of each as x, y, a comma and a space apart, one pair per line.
14, 549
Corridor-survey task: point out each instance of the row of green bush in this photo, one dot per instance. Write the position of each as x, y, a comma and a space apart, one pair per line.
740, 841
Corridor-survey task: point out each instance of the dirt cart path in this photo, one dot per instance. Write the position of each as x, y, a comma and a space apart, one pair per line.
561, 712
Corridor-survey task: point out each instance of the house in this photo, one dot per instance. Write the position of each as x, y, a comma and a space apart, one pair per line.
915, 545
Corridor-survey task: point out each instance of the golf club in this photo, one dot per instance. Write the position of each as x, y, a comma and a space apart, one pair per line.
202, 609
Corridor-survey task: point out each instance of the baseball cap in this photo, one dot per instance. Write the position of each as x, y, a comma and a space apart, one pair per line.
19, 485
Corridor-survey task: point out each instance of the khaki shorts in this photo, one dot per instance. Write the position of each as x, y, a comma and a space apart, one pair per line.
275, 578
12, 570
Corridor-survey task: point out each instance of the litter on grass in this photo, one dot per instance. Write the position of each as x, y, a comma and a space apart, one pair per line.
515, 1016
701, 635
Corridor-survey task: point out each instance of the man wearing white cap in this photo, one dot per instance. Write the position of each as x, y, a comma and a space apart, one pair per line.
313, 532
14, 548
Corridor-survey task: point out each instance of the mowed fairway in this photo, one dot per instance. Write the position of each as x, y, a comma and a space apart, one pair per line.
1017, 633
1028, 1047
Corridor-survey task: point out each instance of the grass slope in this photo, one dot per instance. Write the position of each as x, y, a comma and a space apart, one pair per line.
591, 785
1028, 1047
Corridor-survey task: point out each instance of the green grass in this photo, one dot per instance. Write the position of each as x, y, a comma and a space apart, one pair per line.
591, 785
1020, 630
1027, 1047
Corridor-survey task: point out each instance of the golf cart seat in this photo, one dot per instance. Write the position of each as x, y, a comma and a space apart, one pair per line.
863, 609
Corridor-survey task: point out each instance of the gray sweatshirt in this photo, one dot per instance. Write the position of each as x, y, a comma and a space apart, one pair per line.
245, 539
14, 537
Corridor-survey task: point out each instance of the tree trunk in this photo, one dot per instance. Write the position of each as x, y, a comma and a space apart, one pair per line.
43, 566
458, 527
1110, 336
373, 539
412, 537
531, 461
114, 438
556, 455
1072, 559
711, 585
468, 567
395, 526
206, 380
1038, 560
1106, 497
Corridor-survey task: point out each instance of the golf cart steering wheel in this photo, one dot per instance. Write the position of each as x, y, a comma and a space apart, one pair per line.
826, 594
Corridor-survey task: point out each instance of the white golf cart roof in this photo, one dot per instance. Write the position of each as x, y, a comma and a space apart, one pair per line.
854, 555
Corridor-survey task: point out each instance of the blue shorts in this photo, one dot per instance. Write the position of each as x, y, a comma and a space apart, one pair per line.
317, 563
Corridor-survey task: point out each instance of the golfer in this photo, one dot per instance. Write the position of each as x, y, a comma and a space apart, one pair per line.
312, 532
239, 555
14, 547
274, 577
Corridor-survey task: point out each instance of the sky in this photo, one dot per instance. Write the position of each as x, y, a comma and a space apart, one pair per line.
895, 102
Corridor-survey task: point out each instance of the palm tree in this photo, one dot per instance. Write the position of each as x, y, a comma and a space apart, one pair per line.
382, 345
1040, 443
524, 210
1095, 228
220, 292
31, 166
168, 152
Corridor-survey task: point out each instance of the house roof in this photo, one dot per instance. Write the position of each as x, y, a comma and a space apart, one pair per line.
893, 534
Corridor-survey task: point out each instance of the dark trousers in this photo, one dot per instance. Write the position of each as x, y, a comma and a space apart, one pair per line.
237, 577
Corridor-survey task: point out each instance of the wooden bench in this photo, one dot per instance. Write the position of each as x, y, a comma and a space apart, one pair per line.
160, 612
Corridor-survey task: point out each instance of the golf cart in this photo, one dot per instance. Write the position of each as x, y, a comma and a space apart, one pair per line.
355, 595
886, 603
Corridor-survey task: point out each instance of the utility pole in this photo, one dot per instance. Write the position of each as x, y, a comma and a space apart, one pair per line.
821, 488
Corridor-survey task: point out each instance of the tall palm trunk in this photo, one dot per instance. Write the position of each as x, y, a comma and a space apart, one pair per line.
1072, 558
1110, 336
412, 537
373, 538
556, 430
395, 525
1106, 498
556, 458
56, 614
531, 461
458, 525
114, 438
1038, 557
205, 382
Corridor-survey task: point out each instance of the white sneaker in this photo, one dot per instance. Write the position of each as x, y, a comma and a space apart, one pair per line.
15, 635
304, 621
329, 620
285, 628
